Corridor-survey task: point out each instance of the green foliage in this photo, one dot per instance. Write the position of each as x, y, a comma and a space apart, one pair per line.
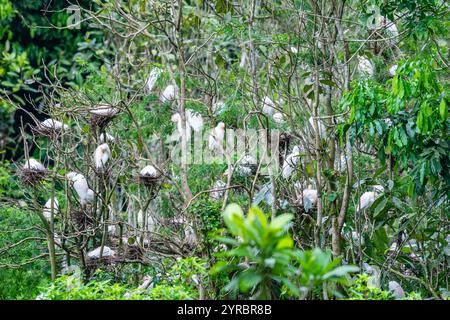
263, 258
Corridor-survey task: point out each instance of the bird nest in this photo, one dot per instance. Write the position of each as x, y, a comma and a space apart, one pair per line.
31, 177
80, 220
101, 120
105, 263
42, 131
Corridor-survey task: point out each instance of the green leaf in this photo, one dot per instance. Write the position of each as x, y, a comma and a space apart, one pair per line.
443, 111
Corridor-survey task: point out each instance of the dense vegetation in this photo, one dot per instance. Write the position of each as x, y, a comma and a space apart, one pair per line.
217, 149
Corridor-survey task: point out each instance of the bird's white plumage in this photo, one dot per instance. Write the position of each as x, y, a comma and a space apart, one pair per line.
95, 254
104, 110
310, 195
369, 197
195, 120
54, 124
102, 155
81, 187
290, 163
392, 29
215, 139
33, 164
150, 171
47, 212
365, 66
106, 137
268, 106
170, 93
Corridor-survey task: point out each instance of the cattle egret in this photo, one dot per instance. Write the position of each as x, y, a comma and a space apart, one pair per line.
81, 187
278, 117
393, 70
47, 212
216, 195
294, 50
268, 106
33, 164
396, 289
320, 127
170, 93
310, 195
54, 125
290, 163
193, 121
392, 31
104, 110
150, 171
151, 80
95, 254
215, 139
101, 155
369, 197
106, 137
365, 66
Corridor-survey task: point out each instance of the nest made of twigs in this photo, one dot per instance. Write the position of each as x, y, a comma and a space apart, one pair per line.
105, 263
80, 220
31, 177
42, 131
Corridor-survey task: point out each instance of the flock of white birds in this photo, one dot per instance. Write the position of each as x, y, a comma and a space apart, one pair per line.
194, 121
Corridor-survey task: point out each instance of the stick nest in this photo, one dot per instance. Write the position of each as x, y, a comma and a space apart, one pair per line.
31, 177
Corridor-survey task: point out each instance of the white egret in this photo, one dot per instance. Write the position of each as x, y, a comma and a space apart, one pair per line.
101, 156
215, 139
290, 163
170, 93
195, 120
81, 187
150, 171
47, 212
104, 110
106, 137
95, 254
33, 164
369, 197
152, 78
54, 125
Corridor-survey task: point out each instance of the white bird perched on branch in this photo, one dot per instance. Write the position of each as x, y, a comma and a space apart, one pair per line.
246, 166
104, 110
47, 212
150, 171
215, 139
101, 156
106, 137
95, 254
54, 125
193, 121
369, 197
170, 93
290, 163
365, 66
33, 164
320, 127
81, 187
268, 106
